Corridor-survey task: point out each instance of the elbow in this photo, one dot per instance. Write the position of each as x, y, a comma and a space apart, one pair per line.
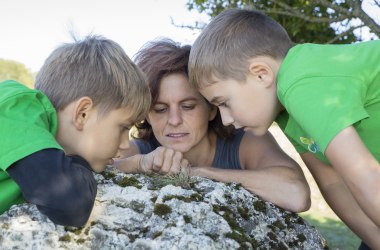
73, 215
302, 200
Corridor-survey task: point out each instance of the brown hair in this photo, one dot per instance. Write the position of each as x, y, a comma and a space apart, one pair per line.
98, 68
157, 59
224, 47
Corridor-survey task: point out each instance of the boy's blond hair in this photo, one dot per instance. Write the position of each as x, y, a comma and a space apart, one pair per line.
98, 68
225, 46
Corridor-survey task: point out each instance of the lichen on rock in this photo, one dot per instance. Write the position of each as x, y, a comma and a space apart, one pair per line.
133, 212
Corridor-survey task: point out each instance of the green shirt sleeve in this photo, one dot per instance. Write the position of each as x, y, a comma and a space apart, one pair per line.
323, 110
28, 123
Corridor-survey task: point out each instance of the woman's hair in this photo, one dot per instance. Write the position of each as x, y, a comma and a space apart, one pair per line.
158, 59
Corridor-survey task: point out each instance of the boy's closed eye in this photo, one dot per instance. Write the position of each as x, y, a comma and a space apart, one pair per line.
222, 105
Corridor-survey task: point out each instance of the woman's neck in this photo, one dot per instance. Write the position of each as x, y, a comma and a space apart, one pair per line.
203, 153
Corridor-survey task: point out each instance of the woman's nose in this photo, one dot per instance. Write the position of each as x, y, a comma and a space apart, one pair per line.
175, 117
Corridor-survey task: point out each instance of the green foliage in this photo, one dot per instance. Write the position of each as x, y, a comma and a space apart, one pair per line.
305, 20
12, 70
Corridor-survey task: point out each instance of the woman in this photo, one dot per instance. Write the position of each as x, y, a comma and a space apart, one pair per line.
183, 132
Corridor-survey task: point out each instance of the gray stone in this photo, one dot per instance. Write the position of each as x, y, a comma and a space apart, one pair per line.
155, 212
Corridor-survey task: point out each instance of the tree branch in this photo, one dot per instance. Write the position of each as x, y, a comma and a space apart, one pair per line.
348, 31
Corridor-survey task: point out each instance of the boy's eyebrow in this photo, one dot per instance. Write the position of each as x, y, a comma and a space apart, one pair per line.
215, 99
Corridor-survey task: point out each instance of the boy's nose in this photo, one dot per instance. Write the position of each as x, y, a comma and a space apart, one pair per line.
226, 118
175, 117
124, 144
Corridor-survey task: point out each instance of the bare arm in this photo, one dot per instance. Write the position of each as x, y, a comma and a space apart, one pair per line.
359, 170
267, 172
340, 199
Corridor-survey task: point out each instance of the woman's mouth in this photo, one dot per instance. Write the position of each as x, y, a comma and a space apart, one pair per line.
176, 135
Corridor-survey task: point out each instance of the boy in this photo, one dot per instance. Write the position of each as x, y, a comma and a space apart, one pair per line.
87, 96
326, 99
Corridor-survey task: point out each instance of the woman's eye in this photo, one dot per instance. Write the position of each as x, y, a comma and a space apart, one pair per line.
159, 109
188, 107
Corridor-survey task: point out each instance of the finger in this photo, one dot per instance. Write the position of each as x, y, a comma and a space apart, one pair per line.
176, 163
168, 161
185, 166
159, 158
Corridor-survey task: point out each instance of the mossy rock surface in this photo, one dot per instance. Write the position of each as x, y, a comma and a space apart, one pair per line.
140, 212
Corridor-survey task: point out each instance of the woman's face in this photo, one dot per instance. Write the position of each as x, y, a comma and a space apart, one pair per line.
180, 116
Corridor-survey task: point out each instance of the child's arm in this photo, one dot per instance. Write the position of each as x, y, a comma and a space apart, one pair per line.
359, 170
340, 199
266, 171
62, 187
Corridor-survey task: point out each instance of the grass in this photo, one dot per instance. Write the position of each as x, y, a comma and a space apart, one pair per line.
335, 232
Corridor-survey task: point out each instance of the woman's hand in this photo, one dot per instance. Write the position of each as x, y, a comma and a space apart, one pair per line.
163, 161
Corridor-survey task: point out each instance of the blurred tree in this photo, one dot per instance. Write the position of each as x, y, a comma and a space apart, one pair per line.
12, 70
317, 21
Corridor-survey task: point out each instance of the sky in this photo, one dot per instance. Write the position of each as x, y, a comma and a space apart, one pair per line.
31, 29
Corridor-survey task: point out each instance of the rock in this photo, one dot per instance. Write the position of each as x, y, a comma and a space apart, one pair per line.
155, 212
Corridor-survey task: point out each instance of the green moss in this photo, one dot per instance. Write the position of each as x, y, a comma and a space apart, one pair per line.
281, 246
259, 205
242, 239
214, 237
65, 238
243, 212
272, 236
238, 186
80, 241
157, 234
227, 196
76, 231
279, 225
128, 181
144, 230
193, 197
301, 237
196, 197
132, 237
161, 209
187, 219
181, 179
108, 175
5, 226
300, 221
216, 208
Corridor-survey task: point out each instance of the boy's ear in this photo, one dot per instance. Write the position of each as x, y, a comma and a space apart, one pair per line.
81, 111
213, 112
261, 72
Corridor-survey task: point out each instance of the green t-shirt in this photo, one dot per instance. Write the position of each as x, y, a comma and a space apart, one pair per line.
326, 88
28, 123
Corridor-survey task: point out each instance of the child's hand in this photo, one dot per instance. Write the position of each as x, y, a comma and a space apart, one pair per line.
163, 161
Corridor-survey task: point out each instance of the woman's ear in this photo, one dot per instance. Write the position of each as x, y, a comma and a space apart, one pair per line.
262, 72
81, 111
213, 112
